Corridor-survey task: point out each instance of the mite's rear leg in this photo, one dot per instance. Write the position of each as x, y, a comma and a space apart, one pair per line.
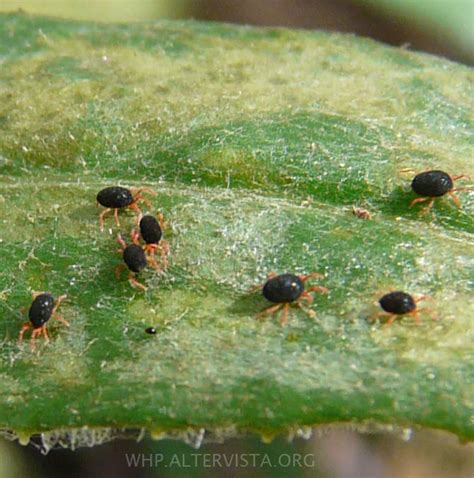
428, 207
269, 310
101, 217
379, 315
284, 315
317, 288
26, 326
38, 332
134, 283
310, 312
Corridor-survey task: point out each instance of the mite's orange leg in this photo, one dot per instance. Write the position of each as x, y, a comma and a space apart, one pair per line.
461, 176
161, 221
421, 298
137, 196
26, 326
45, 333
58, 303
271, 275
116, 211
146, 201
134, 282
454, 196
138, 191
426, 209
307, 297
309, 312
427, 311
391, 320
164, 249
101, 218
319, 289
152, 261
255, 288
416, 314
284, 315
135, 207
121, 241
269, 310
60, 318
313, 275
417, 200
455, 199
37, 333
135, 236
379, 315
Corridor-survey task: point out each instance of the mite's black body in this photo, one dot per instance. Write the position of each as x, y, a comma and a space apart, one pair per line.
115, 197
286, 290
432, 183
283, 288
150, 330
41, 309
398, 303
150, 230
135, 258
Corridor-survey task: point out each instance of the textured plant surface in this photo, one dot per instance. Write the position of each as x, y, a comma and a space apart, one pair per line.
258, 143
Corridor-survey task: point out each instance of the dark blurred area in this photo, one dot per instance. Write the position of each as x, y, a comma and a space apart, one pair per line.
334, 454
338, 15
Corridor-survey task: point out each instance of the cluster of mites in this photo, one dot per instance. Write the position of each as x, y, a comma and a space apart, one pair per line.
281, 290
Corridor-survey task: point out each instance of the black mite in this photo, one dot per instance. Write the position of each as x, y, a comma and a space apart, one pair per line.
285, 289
397, 304
42, 309
135, 259
151, 231
117, 197
150, 330
433, 184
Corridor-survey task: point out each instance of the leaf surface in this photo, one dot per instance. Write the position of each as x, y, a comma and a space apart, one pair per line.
258, 143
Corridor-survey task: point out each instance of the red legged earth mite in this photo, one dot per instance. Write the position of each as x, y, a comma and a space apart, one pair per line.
396, 305
41, 310
117, 197
286, 289
433, 184
151, 230
135, 259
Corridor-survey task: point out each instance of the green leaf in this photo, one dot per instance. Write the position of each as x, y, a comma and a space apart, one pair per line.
258, 143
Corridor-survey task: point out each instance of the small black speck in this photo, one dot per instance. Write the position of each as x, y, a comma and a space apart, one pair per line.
150, 330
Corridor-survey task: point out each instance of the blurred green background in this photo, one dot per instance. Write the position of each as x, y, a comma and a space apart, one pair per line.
443, 27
